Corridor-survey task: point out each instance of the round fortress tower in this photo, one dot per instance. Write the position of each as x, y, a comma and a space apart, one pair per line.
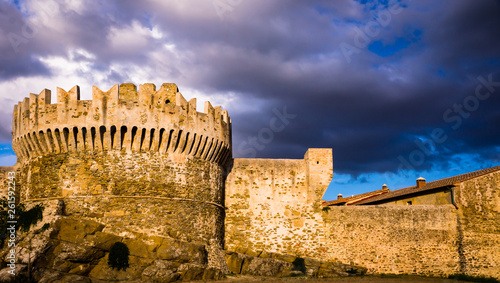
138, 161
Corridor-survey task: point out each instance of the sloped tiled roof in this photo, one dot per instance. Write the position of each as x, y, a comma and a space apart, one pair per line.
356, 198
430, 186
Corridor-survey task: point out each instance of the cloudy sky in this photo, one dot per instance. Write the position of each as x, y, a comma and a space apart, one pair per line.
397, 89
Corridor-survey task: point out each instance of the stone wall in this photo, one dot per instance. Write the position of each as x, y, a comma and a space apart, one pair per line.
479, 225
394, 239
121, 119
271, 208
272, 203
137, 161
167, 195
4, 181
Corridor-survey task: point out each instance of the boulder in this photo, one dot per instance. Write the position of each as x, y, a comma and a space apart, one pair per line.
19, 272
234, 262
266, 267
102, 271
138, 248
31, 247
182, 252
69, 253
75, 230
102, 240
190, 272
312, 266
213, 274
161, 271
50, 276
284, 257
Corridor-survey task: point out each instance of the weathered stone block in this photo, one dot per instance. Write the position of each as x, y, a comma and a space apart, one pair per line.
102, 240
182, 252
234, 262
266, 267
73, 230
161, 271
190, 272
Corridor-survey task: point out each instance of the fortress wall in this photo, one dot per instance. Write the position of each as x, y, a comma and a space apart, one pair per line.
271, 203
167, 195
136, 160
4, 181
479, 203
122, 118
269, 210
416, 239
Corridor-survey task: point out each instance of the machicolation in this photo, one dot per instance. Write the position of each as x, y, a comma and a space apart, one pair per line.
141, 161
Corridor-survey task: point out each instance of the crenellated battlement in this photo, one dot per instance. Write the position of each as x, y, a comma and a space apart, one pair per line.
122, 118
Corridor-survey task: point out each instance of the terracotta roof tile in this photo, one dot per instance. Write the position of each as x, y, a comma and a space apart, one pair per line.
431, 185
356, 198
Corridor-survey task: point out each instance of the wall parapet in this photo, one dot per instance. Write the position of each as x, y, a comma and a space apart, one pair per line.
147, 120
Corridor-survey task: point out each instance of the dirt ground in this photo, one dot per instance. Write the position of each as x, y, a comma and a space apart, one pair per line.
364, 279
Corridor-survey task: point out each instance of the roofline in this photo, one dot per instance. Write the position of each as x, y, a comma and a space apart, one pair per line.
409, 195
431, 186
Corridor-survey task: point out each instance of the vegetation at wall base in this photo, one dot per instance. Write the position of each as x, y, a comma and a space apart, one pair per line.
471, 278
28, 218
25, 218
460, 277
45, 226
118, 256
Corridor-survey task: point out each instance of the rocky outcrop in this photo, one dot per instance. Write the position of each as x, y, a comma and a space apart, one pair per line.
77, 250
283, 265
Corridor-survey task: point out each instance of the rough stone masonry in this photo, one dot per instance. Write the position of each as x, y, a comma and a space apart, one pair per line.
144, 167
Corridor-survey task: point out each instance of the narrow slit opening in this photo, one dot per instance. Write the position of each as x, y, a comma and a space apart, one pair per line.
169, 139
123, 131
143, 136
198, 146
162, 131
84, 135
66, 137
192, 144
203, 148
205, 153
57, 133
93, 135
132, 138
102, 130
185, 143
75, 136
43, 141
51, 139
178, 140
151, 138
27, 137
113, 134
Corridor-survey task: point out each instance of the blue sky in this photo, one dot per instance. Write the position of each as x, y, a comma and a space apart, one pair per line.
399, 89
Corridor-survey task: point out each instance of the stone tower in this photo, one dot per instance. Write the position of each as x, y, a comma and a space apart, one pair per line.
137, 161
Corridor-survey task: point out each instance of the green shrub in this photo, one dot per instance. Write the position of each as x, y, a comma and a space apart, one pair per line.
118, 256
45, 226
25, 218
28, 218
326, 208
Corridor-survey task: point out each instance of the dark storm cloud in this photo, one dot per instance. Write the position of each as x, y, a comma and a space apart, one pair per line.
367, 116
276, 55
13, 61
